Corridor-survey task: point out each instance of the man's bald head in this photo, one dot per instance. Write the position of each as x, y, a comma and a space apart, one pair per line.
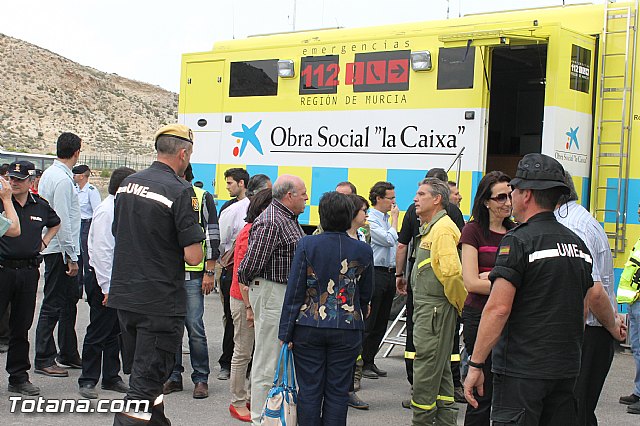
291, 191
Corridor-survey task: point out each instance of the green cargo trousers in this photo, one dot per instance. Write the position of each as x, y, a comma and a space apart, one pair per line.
434, 326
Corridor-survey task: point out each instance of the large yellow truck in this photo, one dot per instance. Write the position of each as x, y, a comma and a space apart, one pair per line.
470, 95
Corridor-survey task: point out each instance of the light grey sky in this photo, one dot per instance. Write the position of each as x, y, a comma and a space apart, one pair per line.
143, 39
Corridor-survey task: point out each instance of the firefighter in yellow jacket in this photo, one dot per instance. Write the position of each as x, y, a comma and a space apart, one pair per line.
438, 297
629, 293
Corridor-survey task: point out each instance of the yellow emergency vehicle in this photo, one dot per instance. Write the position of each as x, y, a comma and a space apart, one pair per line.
390, 102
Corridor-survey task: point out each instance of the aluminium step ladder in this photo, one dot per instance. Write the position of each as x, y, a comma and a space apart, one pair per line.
400, 337
615, 97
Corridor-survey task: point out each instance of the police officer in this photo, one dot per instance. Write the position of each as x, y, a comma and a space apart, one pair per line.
9, 222
156, 230
534, 315
89, 199
19, 274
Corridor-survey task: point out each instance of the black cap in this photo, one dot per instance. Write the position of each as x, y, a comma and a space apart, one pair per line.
539, 171
38, 172
22, 169
78, 170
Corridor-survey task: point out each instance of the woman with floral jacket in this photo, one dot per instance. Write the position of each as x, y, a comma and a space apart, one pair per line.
326, 301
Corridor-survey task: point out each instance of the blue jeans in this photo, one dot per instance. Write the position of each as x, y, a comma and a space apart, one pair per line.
324, 370
199, 352
634, 338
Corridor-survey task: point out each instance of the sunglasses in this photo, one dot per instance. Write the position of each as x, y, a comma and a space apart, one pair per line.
501, 198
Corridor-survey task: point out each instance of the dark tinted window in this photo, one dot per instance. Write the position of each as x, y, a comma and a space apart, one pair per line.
254, 78
455, 67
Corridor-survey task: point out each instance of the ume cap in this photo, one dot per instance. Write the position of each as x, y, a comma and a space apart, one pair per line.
539, 171
179, 131
22, 169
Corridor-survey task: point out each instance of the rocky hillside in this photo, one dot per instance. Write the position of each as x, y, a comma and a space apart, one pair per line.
43, 94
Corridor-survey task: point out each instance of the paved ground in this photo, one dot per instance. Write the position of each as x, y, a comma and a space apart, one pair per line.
383, 394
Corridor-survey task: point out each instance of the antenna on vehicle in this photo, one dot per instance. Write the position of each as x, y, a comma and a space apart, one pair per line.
295, 3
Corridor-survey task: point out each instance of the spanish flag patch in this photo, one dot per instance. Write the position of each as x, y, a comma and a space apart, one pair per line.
504, 250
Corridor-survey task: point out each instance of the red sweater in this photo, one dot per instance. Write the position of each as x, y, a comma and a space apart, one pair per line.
242, 245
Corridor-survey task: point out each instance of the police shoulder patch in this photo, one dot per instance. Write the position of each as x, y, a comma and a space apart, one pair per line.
504, 251
194, 204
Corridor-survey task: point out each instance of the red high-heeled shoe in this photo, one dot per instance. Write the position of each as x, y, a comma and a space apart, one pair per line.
235, 415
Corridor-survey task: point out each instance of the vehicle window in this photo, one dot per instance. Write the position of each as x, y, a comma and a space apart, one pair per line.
254, 78
455, 67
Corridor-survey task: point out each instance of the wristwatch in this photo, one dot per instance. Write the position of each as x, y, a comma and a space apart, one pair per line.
210, 272
401, 274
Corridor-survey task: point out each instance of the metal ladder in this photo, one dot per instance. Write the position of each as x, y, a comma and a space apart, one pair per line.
400, 338
614, 120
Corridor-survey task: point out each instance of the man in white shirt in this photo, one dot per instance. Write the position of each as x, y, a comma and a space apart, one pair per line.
384, 242
231, 221
89, 199
60, 265
598, 345
100, 350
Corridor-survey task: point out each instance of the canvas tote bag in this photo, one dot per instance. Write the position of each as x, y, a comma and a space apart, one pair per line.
280, 407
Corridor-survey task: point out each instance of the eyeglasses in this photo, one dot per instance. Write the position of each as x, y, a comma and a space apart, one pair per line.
501, 198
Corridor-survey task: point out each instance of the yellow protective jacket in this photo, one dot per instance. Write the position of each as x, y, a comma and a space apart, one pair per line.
628, 291
440, 238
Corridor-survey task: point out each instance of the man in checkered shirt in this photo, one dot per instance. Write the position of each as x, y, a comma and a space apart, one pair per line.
265, 268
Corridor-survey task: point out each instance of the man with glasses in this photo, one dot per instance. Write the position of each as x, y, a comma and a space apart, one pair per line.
384, 240
60, 265
19, 274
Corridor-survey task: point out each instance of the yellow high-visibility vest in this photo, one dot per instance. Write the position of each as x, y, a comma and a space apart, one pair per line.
200, 266
628, 291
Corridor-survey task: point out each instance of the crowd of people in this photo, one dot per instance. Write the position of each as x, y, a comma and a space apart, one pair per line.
529, 276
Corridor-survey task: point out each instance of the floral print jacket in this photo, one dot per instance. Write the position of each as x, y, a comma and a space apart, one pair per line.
330, 282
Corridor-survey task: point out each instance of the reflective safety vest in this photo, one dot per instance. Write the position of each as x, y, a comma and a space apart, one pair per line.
628, 291
200, 266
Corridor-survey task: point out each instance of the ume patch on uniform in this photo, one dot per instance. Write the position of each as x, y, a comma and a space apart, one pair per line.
194, 203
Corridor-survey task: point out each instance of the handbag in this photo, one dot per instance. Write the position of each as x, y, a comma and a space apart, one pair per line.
226, 259
280, 407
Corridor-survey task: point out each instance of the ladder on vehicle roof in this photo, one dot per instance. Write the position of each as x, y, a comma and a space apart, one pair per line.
611, 174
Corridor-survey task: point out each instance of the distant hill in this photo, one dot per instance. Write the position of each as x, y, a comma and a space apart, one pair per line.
43, 94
